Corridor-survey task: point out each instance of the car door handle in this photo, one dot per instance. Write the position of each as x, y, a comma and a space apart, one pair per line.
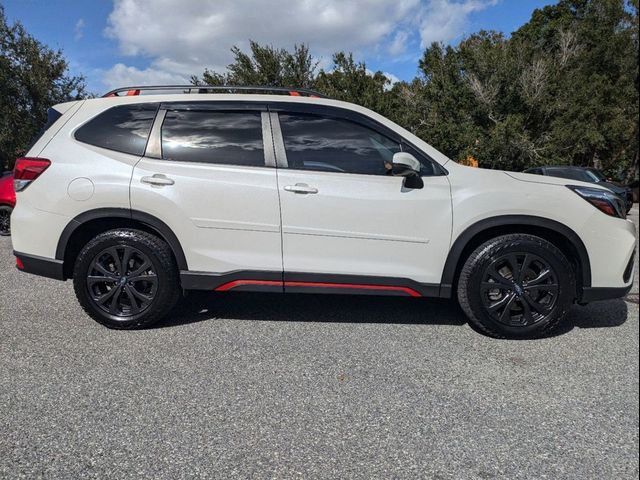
300, 188
158, 180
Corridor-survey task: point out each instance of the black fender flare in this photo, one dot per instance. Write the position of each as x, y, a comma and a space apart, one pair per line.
149, 220
458, 247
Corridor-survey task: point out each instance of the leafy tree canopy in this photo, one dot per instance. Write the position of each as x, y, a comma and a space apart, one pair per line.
563, 89
32, 78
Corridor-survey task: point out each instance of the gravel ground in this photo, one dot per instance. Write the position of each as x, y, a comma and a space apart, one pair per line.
244, 386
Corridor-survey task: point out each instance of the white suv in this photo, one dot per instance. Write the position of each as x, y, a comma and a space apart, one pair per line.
147, 192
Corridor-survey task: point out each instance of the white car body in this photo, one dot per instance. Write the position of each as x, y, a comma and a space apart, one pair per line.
229, 218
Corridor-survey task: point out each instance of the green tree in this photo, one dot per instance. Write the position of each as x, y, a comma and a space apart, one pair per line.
269, 66
265, 66
591, 50
32, 78
563, 89
438, 105
353, 82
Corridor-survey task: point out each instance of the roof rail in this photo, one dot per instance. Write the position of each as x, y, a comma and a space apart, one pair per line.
296, 92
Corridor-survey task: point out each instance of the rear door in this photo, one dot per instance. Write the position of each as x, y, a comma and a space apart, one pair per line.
345, 218
209, 174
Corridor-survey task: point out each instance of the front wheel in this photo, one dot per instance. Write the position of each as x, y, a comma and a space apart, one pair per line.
126, 279
516, 286
5, 220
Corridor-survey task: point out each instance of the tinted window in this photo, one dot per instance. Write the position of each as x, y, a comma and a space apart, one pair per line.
570, 173
315, 142
597, 175
124, 128
52, 116
231, 138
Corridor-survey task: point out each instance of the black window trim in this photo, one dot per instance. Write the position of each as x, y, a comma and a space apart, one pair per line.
276, 146
154, 143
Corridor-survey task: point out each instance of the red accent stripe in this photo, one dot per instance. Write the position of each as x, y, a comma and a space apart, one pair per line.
19, 264
293, 93
355, 286
240, 283
132, 93
351, 286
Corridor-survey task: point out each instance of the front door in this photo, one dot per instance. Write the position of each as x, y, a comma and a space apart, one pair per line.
345, 219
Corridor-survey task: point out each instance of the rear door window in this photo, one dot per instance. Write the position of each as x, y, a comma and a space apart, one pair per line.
124, 128
227, 138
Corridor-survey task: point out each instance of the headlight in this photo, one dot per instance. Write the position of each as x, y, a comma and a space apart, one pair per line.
604, 200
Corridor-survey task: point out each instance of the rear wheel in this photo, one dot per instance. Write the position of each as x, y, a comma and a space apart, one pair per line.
5, 220
516, 286
126, 279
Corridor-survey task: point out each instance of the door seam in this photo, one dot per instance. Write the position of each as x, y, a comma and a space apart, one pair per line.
273, 146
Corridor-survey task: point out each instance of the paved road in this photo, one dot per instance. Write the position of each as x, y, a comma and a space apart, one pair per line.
244, 386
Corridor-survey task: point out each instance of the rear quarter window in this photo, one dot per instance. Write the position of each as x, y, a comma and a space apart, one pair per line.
52, 116
123, 128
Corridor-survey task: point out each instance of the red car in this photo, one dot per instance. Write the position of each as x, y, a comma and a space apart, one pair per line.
7, 202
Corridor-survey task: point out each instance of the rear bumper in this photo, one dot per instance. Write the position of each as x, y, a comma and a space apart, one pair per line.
45, 267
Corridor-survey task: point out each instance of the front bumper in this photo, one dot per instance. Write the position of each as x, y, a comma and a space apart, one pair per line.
593, 294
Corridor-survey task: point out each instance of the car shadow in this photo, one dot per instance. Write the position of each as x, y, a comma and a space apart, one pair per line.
609, 313
200, 306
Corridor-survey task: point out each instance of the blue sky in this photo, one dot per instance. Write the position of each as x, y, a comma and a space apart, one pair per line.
124, 42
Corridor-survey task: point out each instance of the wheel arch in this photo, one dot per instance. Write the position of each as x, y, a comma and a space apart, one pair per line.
89, 224
557, 233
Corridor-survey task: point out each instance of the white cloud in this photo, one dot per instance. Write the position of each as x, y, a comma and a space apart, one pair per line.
182, 38
121, 75
399, 44
444, 20
78, 30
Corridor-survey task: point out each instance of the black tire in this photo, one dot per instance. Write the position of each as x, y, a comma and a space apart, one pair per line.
529, 306
5, 220
150, 288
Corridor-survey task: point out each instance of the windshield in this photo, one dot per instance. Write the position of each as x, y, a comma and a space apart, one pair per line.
571, 173
596, 175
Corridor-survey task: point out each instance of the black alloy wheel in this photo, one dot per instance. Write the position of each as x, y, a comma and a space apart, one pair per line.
121, 281
516, 286
519, 289
126, 278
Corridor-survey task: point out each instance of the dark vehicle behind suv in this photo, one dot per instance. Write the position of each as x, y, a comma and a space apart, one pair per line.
585, 174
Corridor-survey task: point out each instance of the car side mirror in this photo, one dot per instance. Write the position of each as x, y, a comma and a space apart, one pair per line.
407, 166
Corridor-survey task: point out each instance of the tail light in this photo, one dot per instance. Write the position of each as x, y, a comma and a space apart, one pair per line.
27, 169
